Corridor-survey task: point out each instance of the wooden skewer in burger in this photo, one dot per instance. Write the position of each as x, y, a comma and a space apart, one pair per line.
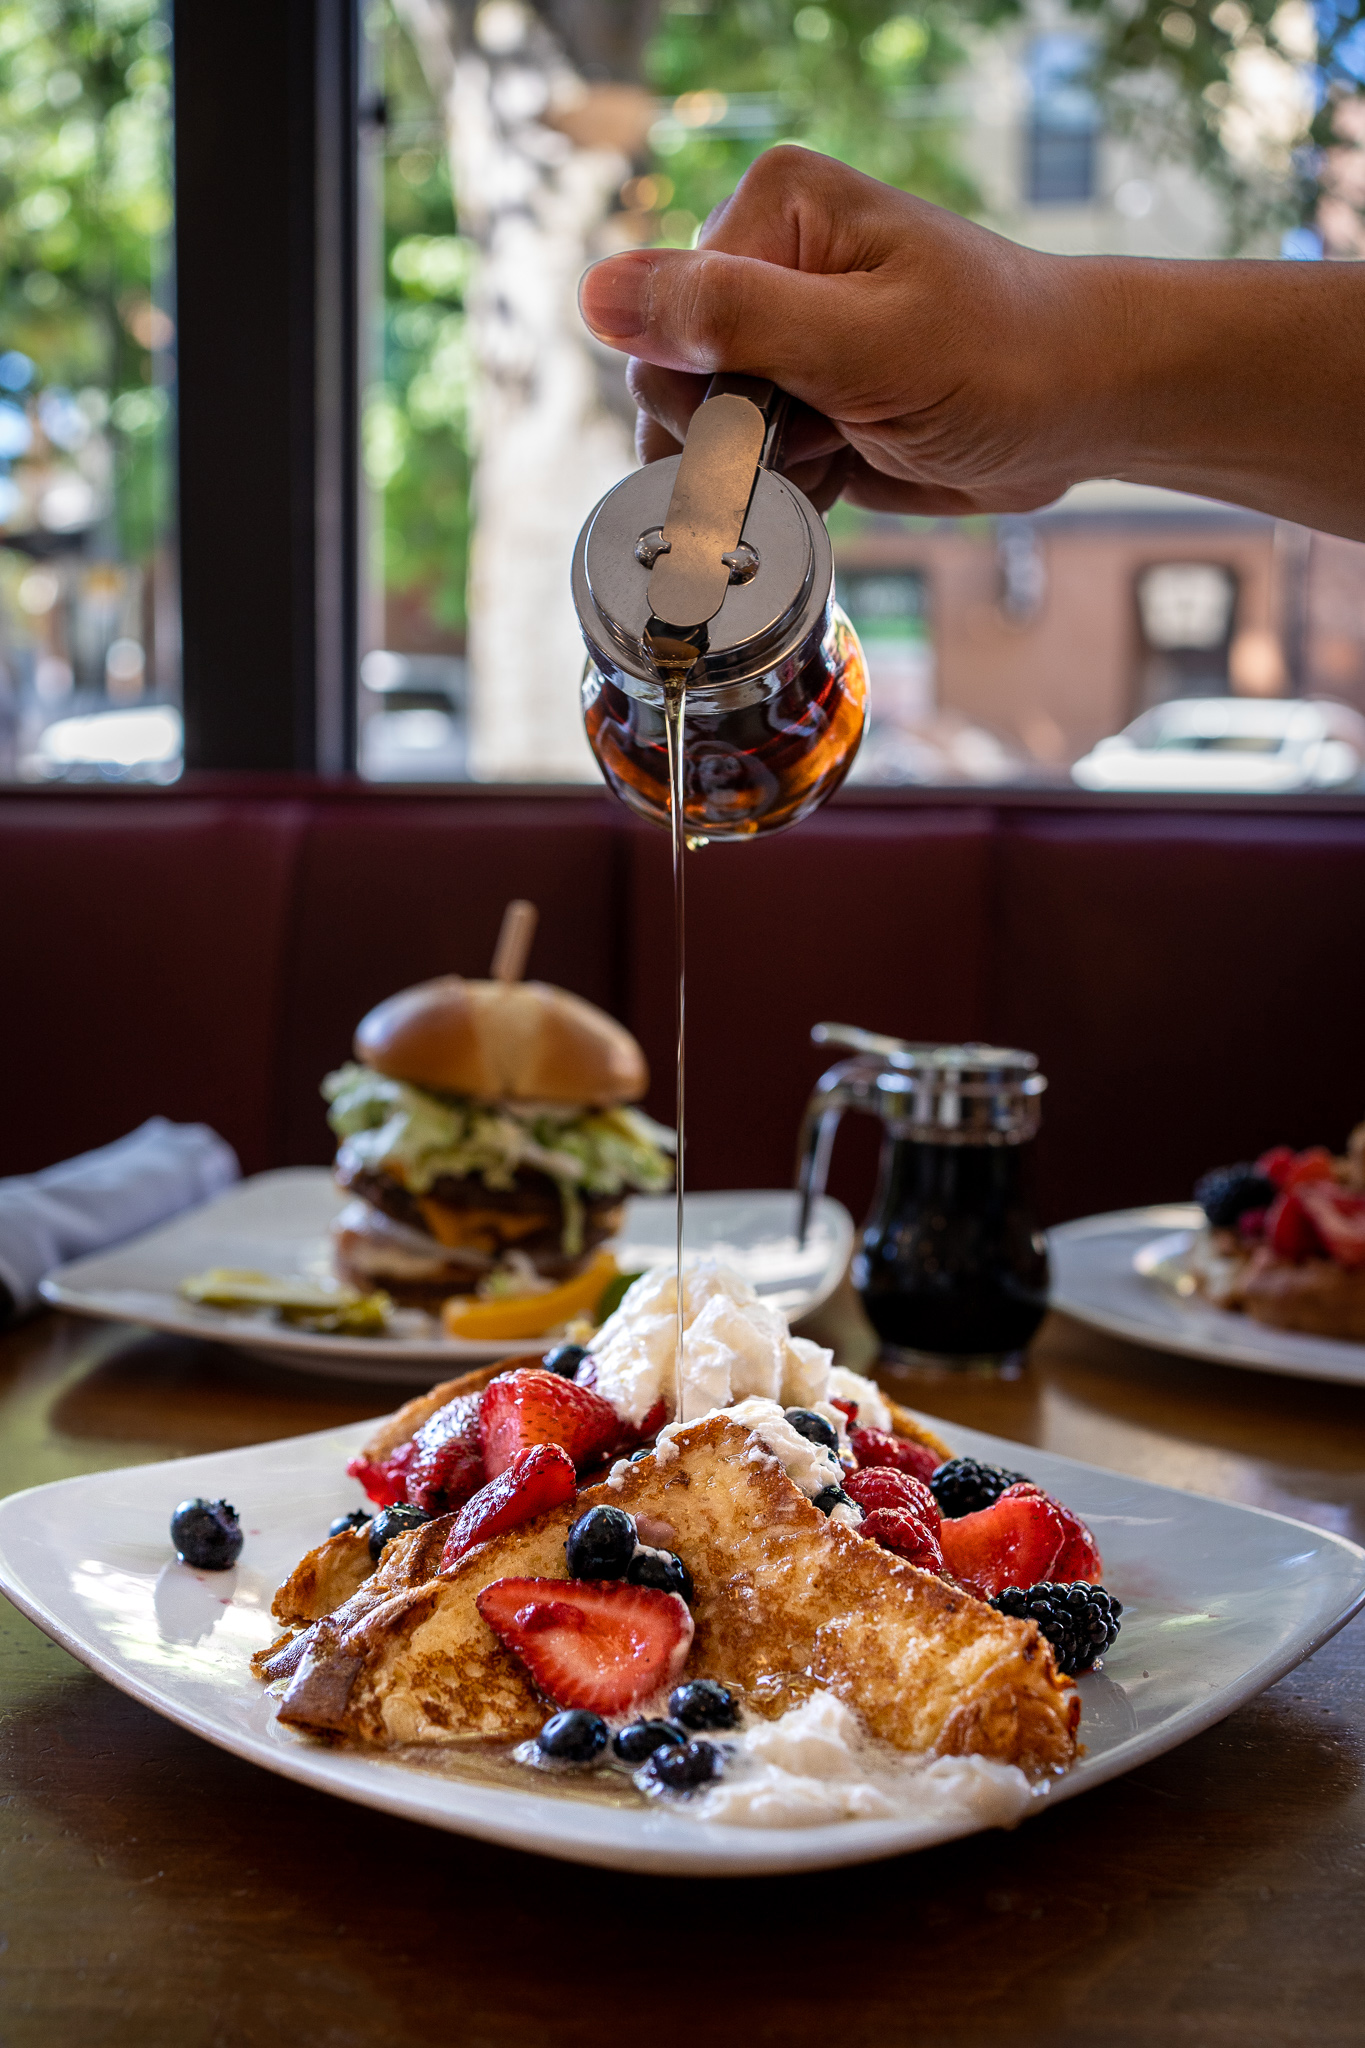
488, 1138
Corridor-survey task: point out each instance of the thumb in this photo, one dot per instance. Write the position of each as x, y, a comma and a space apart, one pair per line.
701, 310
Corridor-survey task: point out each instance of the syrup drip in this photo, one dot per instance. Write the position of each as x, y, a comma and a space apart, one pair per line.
675, 694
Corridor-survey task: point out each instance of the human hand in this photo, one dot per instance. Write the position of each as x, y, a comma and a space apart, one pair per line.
940, 368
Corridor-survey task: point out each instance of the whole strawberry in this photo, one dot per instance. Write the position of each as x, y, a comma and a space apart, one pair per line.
529, 1407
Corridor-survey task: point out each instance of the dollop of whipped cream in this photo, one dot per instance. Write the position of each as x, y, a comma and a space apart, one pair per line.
817, 1764
811, 1467
735, 1348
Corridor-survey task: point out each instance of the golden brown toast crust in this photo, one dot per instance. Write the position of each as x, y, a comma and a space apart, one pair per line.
786, 1600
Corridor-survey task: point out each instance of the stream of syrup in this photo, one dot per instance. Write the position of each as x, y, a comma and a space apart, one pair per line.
675, 697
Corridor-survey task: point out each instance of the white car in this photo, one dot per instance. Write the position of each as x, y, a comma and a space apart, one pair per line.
1260, 746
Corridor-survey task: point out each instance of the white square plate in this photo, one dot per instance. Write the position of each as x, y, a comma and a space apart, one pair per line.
278, 1223
1220, 1601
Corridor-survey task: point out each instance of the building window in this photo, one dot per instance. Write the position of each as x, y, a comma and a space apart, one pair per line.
89, 612
1063, 124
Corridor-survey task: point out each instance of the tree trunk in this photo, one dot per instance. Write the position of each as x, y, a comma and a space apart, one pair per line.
542, 128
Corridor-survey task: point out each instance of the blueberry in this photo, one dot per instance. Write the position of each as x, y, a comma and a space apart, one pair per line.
207, 1534
829, 1498
636, 1456
661, 1568
682, 1769
600, 1544
813, 1427
357, 1519
573, 1737
637, 1743
394, 1521
702, 1703
564, 1359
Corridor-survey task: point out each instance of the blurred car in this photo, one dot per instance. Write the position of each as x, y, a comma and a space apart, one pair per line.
1262, 746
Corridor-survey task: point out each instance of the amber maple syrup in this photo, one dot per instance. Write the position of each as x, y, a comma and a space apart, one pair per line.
759, 756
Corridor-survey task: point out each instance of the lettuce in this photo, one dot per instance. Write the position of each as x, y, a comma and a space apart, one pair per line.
418, 1136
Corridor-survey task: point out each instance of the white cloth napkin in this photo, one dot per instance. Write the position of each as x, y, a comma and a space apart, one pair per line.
102, 1197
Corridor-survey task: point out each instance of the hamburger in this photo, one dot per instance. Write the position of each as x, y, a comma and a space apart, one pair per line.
488, 1139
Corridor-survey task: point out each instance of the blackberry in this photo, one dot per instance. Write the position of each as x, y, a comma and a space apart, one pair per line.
1081, 1622
964, 1486
1229, 1192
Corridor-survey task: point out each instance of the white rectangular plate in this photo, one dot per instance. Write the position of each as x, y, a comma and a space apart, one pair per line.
1220, 1601
278, 1223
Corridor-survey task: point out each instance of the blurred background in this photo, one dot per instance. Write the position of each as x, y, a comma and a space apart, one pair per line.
1122, 638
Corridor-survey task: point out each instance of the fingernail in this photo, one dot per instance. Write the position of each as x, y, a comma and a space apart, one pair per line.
614, 296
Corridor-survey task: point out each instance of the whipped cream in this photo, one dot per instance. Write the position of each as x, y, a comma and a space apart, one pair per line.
735, 1348
811, 1467
817, 1764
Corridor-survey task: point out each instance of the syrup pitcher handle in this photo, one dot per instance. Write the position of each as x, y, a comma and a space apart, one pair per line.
850, 1085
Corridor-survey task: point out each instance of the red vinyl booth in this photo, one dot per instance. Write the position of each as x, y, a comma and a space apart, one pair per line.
1193, 980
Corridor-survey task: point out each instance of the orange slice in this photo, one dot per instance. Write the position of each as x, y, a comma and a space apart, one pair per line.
529, 1315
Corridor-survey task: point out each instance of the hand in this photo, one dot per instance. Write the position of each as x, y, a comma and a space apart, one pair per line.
941, 369
907, 333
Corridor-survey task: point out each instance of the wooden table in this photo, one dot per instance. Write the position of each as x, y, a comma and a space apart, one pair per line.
156, 1890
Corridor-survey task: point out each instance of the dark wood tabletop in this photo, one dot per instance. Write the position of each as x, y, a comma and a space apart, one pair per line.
157, 1890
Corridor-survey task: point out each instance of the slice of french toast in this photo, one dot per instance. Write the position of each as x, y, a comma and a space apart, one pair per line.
785, 1600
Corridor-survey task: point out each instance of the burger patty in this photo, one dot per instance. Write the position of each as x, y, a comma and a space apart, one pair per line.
527, 1217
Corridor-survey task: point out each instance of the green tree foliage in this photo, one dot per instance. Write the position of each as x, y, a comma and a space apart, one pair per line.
416, 436
85, 206
853, 78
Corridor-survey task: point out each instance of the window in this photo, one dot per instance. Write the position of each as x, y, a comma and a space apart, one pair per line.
1060, 145
89, 617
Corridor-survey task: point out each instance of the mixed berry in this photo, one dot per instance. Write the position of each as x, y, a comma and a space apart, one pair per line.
1297, 1204
608, 1643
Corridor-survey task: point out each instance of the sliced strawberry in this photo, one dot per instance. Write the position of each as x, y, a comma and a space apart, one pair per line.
1313, 1165
386, 1483
536, 1480
599, 1644
883, 1486
446, 1465
898, 1530
1016, 1542
1079, 1559
530, 1407
1338, 1217
878, 1447
1289, 1229
1275, 1164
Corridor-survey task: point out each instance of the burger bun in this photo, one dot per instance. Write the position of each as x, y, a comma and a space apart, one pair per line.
500, 1041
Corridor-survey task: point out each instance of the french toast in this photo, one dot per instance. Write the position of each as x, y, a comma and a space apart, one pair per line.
786, 1600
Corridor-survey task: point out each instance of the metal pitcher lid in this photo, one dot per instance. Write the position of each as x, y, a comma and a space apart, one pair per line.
714, 532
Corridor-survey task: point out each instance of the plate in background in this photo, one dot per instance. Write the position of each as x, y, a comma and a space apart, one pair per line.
278, 1222
1104, 1272
1220, 1601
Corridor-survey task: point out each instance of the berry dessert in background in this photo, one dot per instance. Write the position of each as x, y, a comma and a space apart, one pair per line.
1284, 1239
489, 1141
786, 1604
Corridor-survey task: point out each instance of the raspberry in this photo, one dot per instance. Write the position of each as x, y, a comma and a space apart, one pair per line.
878, 1447
881, 1486
899, 1531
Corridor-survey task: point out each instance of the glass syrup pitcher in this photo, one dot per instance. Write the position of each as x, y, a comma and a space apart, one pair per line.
709, 577
950, 1264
